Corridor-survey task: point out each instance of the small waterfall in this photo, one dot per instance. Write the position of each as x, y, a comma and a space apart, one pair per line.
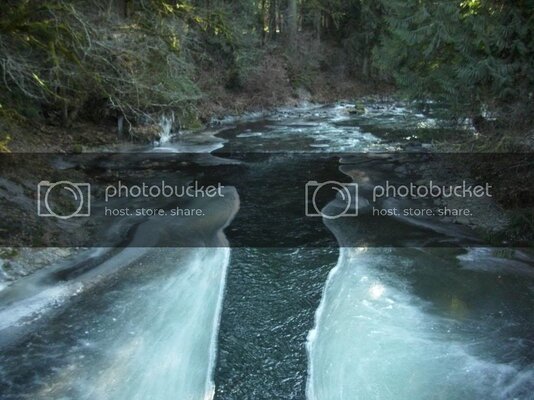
166, 123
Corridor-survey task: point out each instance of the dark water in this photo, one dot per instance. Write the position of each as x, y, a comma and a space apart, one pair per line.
269, 308
447, 322
316, 321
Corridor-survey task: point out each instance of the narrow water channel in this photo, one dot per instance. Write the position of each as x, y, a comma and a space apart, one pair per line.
242, 319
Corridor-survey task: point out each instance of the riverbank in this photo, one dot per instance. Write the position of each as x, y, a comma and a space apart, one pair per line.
267, 89
391, 123
108, 308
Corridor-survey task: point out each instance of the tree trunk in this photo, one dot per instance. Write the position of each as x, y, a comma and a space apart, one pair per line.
292, 24
317, 17
365, 66
262, 21
272, 19
121, 7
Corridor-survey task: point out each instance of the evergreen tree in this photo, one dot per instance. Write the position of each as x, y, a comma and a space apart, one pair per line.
473, 55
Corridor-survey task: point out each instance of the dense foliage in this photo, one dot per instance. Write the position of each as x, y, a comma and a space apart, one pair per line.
474, 55
64, 60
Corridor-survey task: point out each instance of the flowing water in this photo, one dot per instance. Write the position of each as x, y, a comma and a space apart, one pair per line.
286, 322
414, 324
147, 332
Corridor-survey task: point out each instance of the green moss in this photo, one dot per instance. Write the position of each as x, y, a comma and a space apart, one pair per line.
4, 143
195, 124
189, 119
7, 267
8, 253
358, 109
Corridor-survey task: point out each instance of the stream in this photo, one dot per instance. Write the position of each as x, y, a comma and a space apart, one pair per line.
259, 301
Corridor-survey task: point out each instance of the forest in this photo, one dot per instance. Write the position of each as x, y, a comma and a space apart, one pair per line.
103, 60
266, 199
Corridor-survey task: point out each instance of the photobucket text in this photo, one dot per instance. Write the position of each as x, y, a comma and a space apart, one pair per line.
431, 190
192, 190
